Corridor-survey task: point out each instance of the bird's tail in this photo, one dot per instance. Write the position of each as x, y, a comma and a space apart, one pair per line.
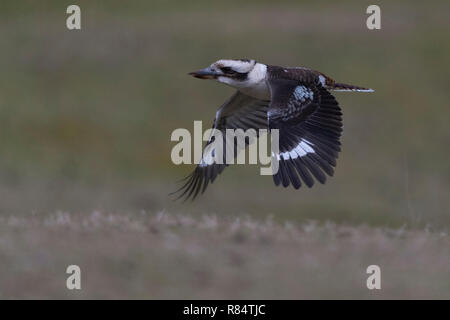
349, 87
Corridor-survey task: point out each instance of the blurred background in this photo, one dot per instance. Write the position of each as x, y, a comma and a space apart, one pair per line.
86, 116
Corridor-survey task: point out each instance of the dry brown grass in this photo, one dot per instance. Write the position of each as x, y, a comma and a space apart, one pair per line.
179, 256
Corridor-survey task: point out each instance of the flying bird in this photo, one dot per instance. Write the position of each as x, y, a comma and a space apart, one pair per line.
296, 101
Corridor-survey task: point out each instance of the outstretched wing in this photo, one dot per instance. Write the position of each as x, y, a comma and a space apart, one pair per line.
309, 121
239, 112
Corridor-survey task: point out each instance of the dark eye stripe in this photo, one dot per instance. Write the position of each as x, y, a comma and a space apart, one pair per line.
234, 74
227, 70
240, 76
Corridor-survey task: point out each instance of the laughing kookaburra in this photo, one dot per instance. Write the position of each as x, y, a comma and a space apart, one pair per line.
296, 101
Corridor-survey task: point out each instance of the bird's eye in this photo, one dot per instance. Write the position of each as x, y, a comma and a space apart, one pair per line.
227, 70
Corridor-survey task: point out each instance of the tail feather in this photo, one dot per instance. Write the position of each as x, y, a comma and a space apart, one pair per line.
349, 87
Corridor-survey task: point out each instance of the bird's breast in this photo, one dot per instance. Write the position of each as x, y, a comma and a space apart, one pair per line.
259, 90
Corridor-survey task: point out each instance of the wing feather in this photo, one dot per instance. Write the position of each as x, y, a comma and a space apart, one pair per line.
309, 121
239, 112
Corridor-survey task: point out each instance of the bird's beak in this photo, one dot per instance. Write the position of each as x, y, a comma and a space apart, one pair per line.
206, 73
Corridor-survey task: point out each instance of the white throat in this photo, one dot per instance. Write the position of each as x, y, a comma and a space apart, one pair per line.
255, 85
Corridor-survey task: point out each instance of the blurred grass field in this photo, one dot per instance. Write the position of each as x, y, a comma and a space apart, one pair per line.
86, 118
177, 256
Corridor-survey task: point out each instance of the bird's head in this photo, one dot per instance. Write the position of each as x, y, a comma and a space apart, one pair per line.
232, 72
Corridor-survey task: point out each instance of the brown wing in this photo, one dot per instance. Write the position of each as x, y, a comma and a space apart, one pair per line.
239, 112
309, 121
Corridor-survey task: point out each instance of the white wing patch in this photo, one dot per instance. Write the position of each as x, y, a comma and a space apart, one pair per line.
301, 150
208, 156
322, 80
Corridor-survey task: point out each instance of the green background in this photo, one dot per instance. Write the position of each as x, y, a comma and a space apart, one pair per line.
86, 116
